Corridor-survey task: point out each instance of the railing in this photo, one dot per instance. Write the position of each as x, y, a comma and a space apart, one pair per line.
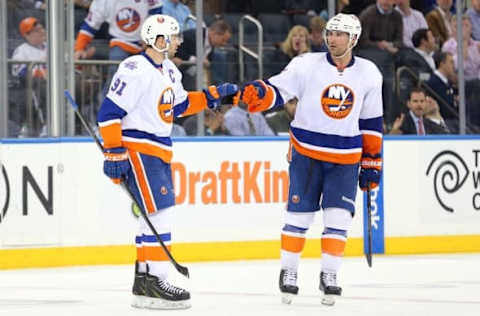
244, 49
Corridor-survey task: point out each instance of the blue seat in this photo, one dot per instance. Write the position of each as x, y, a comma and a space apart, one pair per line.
275, 27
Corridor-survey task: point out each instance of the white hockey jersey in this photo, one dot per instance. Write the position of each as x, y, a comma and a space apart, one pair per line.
124, 17
143, 100
339, 114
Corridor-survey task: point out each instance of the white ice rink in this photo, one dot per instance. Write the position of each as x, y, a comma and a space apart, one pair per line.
412, 285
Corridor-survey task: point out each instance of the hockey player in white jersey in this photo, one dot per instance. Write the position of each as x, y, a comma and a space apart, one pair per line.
135, 120
124, 18
337, 130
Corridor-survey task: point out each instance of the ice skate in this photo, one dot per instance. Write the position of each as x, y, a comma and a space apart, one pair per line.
138, 289
162, 295
288, 285
328, 284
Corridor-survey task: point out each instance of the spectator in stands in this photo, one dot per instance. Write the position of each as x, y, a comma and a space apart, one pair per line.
474, 14
414, 121
123, 26
296, 43
280, 121
420, 58
239, 122
471, 48
317, 24
382, 27
382, 36
34, 49
432, 112
444, 92
438, 21
178, 10
213, 123
412, 21
357, 6
217, 35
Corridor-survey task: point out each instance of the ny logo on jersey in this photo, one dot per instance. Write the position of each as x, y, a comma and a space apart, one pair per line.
128, 19
165, 105
337, 100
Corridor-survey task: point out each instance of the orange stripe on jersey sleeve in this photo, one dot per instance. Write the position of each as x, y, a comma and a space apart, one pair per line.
82, 41
149, 149
112, 135
292, 244
197, 102
156, 253
345, 159
371, 144
128, 48
334, 247
142, 182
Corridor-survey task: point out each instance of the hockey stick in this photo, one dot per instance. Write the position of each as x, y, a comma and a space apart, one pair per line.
182, 269
369, 228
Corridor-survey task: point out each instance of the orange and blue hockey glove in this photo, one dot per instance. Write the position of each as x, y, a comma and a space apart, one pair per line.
370, 171
116, 165
215, 94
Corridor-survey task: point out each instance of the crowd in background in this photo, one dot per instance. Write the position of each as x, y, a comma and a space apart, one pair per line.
412, 42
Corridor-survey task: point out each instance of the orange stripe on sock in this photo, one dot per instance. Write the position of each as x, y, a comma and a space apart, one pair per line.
334, 247
292, 244
140, 254
156, 253
142, 181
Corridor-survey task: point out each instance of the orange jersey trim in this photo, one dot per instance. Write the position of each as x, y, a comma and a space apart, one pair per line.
292, 244
150, 149
82, 41
112, 135
197, 103
371, 144
344, 159
334, 247
156, 253
126, 47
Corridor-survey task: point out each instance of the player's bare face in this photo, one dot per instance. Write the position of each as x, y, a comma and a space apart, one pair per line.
337, 42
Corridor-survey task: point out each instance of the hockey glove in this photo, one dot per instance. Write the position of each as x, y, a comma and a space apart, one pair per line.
258, 96
116, 164
370, 171
215, 94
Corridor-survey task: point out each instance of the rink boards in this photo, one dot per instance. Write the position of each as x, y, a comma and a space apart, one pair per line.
59, 209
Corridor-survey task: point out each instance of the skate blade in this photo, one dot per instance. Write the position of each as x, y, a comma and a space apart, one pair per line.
138, 301
328, 300
158, 303
287, 298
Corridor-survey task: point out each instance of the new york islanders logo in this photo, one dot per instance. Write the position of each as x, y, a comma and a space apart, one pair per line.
128, 20
337, 100
165, 105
